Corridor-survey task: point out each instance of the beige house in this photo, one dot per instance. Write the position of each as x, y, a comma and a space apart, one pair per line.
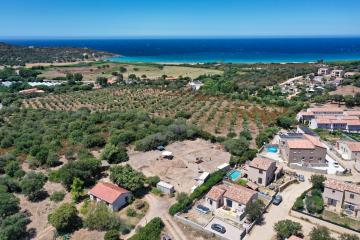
337, 73
303, 149
342, 197
348, 150
324, 71
230, 196
261, 171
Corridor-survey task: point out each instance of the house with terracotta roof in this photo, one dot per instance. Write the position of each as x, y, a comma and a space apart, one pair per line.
346, 123
348, 150
231, 196
261, 171
31, 91
302, 149
342, 197
111, 194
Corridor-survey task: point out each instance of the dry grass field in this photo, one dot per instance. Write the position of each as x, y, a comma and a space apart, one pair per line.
151, 71
346, 90
217, 115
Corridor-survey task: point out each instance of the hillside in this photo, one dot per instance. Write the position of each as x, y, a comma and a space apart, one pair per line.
20, 55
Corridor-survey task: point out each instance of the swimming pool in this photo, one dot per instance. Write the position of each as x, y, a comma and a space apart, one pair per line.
272, 149
234, 174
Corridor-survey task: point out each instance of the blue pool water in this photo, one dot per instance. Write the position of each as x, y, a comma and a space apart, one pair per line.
272, 149
234, 175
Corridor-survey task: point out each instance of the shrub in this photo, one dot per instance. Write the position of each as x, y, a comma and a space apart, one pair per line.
320, 233
9, 204
32, 185
91, 141
314, 204
127, 177
254, 210
65, 218
286, 228
318, 181
130, 212
111, 235
151, 231
153, 180
299, 203
14, 227
114, 154
101, 218
57, 196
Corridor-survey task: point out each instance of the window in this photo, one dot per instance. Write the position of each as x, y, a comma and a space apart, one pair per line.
332, 202
228, 203
349, 207
259, 180
352, 195
260, 171
210, 201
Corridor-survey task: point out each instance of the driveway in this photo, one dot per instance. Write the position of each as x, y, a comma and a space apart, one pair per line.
232, 233
158, 207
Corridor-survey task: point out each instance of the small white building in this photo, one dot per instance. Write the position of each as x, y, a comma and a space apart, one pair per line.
111, 194
195, 85
224, 166
165, 187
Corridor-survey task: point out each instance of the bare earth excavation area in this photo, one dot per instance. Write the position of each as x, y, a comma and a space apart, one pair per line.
182, 170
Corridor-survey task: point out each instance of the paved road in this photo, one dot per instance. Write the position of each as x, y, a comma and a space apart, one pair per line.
274, 213
232, 233
158, 207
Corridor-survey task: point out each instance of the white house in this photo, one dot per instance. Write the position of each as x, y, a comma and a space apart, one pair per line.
348, 150
195, 85
111, 194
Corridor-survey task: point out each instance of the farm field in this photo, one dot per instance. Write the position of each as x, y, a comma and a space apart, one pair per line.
152, 71
216, 115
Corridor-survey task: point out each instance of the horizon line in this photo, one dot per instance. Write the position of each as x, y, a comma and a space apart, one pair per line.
95, 37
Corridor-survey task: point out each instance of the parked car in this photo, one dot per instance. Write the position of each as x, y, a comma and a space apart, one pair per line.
165, 237
219, 228
202, 209
301, 178
277, 200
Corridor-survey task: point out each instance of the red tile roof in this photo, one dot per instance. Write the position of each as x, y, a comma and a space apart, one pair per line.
261, 163
341, 186
234, 192
300, 144
353, 146
107, 192
215, 193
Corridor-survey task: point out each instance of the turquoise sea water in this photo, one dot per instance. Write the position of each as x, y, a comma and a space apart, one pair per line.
241, 50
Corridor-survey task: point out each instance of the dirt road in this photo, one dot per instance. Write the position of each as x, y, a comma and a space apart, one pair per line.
158, 207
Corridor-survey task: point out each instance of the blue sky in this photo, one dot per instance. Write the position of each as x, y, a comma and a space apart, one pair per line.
136, 18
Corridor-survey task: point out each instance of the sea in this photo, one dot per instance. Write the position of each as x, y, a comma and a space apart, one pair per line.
202, 50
